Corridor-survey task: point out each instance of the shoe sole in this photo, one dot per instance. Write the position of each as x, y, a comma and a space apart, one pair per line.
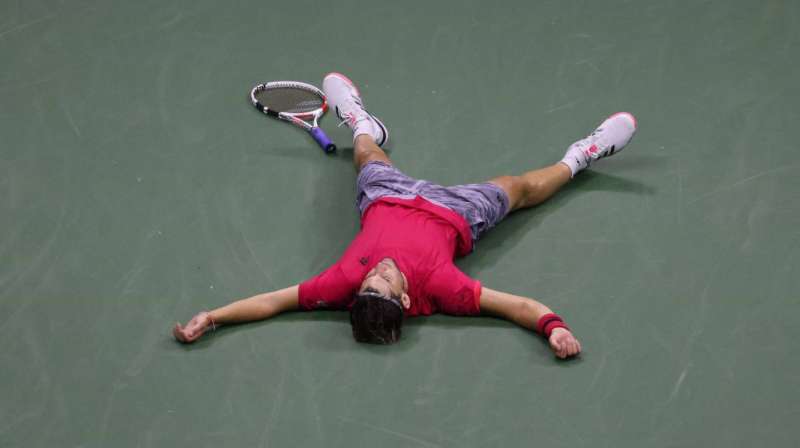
343, 78
630, 115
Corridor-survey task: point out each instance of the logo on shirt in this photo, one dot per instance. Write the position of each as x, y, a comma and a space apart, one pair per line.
363, 261
321, 304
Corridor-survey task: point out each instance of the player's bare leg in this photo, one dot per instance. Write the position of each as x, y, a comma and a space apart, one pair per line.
535, 187
366, 150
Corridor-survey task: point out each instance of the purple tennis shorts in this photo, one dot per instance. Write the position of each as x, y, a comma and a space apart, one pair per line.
481, 205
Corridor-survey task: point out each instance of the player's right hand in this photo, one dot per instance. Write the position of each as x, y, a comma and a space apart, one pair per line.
563, 343
193, 329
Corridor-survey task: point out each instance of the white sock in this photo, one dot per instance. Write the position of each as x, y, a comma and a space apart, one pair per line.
364, 126
575, 159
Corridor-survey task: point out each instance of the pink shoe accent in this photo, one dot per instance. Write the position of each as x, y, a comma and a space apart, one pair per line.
345, 79
592, 150
630, 115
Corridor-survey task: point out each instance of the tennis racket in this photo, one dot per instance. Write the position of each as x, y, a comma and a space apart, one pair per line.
296, 102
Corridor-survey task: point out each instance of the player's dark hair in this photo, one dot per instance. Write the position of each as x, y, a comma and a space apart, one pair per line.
376, 319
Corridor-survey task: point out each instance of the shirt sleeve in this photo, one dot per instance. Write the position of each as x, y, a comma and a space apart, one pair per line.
454, 292
330, 289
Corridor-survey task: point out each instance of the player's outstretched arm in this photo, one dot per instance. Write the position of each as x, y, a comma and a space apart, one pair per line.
530, 314
259, 307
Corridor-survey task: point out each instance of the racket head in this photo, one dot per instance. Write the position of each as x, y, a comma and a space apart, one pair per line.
289, 98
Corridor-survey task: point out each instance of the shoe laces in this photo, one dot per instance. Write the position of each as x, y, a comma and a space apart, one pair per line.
592, 146
350, 119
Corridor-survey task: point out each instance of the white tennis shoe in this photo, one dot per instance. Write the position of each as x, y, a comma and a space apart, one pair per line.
608, 139
345, 100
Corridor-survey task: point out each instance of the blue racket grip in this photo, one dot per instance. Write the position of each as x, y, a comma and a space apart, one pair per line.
324, 142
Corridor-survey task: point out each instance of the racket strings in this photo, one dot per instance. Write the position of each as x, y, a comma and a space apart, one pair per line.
290, 100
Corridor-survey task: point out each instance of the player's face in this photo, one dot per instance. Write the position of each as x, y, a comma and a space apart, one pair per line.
386, 278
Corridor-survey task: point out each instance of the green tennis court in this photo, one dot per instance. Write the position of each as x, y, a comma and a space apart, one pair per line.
139, 186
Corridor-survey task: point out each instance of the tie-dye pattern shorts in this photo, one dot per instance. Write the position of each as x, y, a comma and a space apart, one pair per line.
482, 205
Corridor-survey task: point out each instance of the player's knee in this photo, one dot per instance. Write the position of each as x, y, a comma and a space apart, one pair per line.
514, 186
365, 155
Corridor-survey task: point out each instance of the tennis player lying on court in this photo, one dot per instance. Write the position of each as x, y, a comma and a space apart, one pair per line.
401, 262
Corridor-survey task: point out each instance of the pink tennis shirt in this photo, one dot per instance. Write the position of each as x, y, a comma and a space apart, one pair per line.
422, 238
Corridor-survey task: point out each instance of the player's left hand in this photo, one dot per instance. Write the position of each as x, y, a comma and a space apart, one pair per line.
564, 343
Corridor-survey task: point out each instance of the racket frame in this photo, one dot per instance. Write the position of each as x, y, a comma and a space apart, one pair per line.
299, 119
